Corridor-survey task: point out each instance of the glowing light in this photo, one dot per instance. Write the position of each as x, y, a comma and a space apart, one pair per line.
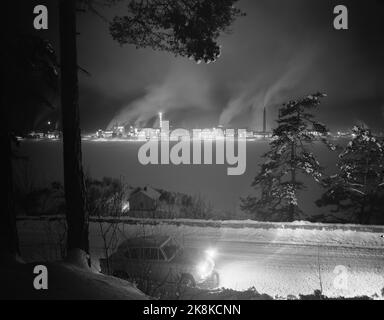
211, 253
161, 120
125, 206
204, 269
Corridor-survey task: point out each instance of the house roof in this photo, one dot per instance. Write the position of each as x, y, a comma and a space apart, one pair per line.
149, 192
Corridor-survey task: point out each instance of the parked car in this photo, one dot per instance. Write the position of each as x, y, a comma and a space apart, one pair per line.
162, 259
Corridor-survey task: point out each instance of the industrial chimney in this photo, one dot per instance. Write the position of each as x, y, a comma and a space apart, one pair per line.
264, 120
161, 120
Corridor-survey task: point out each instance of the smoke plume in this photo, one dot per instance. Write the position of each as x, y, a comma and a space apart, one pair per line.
271, 88
182, 88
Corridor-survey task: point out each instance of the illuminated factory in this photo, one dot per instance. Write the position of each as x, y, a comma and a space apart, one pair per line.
160, 133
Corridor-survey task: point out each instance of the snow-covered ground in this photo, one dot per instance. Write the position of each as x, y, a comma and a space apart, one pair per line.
66, 281
277, 259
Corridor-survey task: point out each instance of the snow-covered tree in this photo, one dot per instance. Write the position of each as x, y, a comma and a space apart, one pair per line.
289, 156
358, 187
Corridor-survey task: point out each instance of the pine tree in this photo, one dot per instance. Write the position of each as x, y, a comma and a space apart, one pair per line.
358, 187
186, 28
289, 156
28, 71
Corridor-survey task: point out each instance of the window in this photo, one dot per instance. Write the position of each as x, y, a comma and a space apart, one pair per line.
133, 253
161, 255
150, 253
170, 249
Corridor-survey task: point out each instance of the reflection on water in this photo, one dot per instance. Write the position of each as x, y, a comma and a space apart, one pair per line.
119, 159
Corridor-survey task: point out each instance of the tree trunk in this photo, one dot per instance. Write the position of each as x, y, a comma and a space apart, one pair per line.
74, 185
362, 213
9, 243
291, 216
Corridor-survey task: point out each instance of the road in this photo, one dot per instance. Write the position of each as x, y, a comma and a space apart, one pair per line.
286, 269
277, 269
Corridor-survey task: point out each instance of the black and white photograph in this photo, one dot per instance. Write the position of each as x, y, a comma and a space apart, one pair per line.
192, 151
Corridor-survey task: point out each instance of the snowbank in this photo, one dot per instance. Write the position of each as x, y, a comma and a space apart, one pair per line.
65, 281
299, 232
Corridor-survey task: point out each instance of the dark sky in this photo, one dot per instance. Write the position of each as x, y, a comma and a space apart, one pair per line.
281, 50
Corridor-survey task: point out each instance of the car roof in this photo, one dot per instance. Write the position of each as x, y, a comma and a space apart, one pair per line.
145, 242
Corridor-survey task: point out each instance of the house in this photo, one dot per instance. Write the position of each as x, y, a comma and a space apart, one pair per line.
148, 202
146, 199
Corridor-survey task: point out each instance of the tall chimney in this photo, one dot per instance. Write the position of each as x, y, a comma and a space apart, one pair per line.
161, 120
264, 120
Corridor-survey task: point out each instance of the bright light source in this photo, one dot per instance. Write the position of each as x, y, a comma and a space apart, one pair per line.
205, 268
125, 206
211, 253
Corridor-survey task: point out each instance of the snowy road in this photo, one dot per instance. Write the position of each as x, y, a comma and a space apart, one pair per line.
297, 269
278, 262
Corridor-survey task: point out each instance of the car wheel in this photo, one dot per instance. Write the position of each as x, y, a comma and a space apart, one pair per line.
120, 274
187, 280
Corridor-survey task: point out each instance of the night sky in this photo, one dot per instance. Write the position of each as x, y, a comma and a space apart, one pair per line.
279, 51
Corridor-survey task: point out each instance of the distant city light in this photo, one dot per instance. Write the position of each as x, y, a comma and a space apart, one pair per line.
218, 133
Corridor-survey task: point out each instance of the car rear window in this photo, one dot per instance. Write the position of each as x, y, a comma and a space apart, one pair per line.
170, 249
150, 254
133, 253
143, 253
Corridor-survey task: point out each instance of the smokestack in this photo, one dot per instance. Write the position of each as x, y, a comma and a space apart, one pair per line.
265, 120
161, 120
